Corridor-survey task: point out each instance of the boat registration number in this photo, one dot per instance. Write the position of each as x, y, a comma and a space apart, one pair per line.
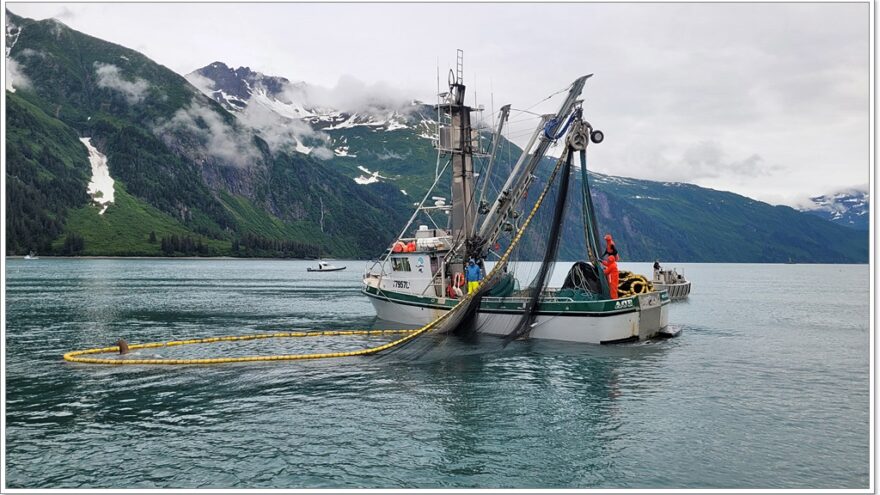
400, 284
626, 303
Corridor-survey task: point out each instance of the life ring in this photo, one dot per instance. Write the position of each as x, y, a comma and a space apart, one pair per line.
458, 279
450, 292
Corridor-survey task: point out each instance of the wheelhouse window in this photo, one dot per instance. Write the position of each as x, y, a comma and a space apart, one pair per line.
400, 264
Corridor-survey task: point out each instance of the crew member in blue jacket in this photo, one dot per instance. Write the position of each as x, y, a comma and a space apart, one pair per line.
473, 275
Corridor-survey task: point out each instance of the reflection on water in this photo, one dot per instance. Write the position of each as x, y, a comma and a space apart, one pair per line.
758, 392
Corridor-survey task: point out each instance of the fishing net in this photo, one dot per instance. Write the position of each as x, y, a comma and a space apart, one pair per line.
539, 283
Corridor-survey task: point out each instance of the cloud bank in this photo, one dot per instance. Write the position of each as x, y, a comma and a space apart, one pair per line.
282, 133
200, 125
109, 76
351, 95
201, 83
15, 77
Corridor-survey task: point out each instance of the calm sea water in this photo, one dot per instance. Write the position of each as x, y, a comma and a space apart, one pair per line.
767, 387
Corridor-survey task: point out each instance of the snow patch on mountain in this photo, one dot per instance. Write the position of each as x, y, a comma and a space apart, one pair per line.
288, 109
611, 179
370, 178
100, 187
228, 101
347, 124
343, 151
395, 125
426, 127
389, 121
301, 148
367, 180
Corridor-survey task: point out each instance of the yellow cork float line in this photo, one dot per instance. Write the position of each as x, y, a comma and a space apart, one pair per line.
77, 356
409, 334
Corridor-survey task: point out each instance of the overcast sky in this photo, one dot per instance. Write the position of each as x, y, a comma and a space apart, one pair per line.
766, 100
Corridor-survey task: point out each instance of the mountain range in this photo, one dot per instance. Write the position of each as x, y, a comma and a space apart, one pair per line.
227, 161
849, 208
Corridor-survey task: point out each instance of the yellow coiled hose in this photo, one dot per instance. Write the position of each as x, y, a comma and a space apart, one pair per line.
630, 284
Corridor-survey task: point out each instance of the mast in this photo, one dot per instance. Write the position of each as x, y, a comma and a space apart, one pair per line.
457, 140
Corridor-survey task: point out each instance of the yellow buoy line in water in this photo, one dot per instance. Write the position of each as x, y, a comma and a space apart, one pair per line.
78, 356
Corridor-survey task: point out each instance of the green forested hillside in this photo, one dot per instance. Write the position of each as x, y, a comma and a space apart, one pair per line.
183, 166
649, 220
676, 221
47, 170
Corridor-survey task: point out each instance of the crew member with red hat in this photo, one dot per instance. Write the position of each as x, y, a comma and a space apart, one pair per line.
610, 248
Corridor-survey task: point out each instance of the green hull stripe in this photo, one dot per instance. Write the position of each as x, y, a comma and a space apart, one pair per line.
600, 308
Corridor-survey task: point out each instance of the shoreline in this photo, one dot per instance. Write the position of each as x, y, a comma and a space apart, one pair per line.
21, 257
216, 258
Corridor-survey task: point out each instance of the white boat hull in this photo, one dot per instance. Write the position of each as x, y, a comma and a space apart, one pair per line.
640, 324
334, 269
676, 291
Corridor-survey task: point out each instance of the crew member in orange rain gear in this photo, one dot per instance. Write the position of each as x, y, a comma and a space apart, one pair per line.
610, 248
610, 265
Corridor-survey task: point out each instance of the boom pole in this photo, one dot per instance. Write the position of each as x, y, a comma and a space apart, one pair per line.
519, 181
496, 139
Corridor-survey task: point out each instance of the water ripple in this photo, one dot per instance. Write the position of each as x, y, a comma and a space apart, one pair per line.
776, 397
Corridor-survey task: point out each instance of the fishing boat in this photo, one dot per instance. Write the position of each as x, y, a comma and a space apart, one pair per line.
421, 276
674, 283
323, 266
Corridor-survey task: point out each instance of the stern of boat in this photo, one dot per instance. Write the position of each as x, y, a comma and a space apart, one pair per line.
653, 313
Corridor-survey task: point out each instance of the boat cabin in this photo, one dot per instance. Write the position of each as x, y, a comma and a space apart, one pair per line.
413, 263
